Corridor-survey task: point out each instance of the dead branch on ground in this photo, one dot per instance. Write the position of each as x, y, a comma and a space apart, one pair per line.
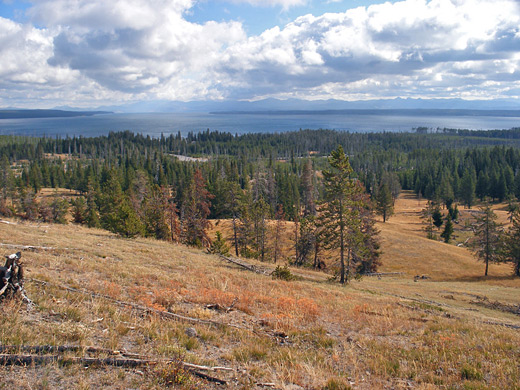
160, 313
12, 359
249, 267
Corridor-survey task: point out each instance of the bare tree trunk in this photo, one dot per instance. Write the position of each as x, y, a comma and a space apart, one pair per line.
316, 250
235, 236
342, 243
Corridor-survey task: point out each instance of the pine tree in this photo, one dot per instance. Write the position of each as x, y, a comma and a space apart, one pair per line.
366, 255
195, 211
154, 213
233, 205
487, 237
244, 227
392, 181
278, 232
128, 223
6, 187
468, 188
511, 243
340, 213
171, 213
219, 245
501, 190
28, 207
447, 233
260, 215
437, 215
384, 202
79, 210
92, 217
309, 202
453, 212
482, 186
306, 239
446, 192
427, 216
110, 204
59, 209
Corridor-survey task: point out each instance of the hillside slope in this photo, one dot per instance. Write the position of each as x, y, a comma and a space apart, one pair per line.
312, 334
406, 248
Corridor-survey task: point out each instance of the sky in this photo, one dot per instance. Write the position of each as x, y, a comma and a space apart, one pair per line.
90, 53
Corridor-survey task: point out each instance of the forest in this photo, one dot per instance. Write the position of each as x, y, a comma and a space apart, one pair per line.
139, 186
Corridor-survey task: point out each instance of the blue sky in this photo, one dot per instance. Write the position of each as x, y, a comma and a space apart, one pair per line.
88, 53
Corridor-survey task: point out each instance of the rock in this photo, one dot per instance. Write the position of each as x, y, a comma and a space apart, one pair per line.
191, 332
293, 386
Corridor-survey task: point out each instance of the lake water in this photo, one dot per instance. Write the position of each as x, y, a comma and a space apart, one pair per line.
154, 124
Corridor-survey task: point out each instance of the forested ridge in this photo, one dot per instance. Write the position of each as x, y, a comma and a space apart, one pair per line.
135, 185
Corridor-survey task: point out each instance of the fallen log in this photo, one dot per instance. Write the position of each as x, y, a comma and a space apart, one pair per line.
383, 273
160, 313
33, 247
504, 324
62, 348
14, 350
247, 266
11, 359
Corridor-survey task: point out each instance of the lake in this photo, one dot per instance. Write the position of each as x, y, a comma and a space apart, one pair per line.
154, 124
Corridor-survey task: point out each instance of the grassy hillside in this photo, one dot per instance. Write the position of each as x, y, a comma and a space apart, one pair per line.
454, 330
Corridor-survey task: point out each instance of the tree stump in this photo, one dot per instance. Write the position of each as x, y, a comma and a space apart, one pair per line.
11, 278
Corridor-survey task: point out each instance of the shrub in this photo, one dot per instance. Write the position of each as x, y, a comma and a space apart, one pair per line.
219, 246
283, 273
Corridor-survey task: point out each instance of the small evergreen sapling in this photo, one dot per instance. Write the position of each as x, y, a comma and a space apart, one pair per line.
447, 233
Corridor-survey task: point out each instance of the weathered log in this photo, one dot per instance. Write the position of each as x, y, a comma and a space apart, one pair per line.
383, 273
160, 313
31, 247
60, 349
247, 266
11, 359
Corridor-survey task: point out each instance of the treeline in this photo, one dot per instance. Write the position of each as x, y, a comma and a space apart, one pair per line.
253, 145
155, 195
134, 185
463, 175
437, 166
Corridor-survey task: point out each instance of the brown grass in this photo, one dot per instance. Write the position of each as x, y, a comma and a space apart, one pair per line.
373, 334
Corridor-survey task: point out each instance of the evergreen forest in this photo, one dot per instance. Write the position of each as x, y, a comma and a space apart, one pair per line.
172, 186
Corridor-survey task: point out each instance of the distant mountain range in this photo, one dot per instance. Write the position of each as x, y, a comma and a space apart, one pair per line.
295, 106
316, 105
405, 111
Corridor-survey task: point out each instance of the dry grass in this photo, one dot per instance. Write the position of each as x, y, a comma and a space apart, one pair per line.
309, 333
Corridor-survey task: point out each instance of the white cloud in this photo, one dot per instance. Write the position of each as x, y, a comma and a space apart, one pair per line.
92, 51
134, 45
24, 51
409, 42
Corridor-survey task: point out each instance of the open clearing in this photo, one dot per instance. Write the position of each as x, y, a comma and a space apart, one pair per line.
455, 330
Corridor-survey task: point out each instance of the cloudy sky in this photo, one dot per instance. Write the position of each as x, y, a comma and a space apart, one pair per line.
86, 53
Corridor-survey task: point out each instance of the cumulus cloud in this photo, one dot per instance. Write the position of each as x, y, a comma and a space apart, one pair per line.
387, 48
94, 50
24, 72
134, 45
